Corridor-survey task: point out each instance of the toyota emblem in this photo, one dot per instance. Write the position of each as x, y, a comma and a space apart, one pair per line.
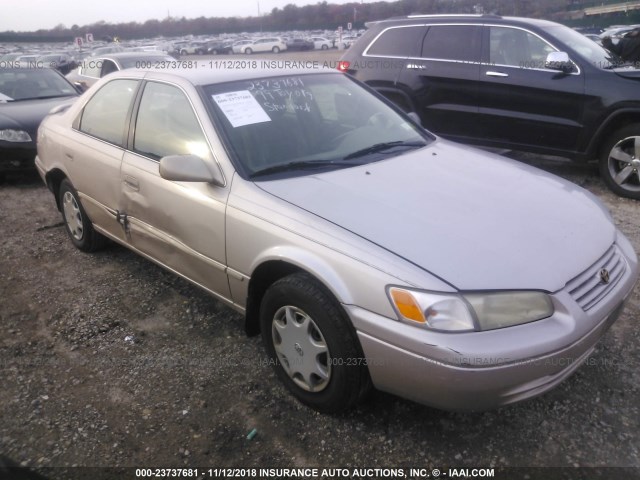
604, 275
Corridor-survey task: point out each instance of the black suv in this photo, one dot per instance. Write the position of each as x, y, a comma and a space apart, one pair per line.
507, 82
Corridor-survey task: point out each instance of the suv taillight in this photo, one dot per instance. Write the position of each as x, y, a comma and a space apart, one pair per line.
343, 66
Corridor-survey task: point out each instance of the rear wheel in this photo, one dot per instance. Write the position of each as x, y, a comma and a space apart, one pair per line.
324, 47
248, 51
275, 49
77, 224
312, 345
620, 162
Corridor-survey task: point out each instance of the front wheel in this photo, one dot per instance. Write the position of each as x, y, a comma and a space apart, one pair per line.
324, 47
275, 49
312, 345
77, 223
248, 51
620, 162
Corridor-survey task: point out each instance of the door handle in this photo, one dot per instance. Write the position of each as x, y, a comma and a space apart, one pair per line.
131, 182
496, 74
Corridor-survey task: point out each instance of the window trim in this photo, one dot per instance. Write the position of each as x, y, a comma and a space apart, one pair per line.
482, 61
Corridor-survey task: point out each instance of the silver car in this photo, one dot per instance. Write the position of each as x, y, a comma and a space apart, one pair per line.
365, 250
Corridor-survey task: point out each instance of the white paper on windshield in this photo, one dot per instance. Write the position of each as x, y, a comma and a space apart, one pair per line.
241, 108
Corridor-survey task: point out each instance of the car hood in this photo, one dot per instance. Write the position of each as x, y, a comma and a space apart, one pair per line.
473, 219
628, 72
27, 114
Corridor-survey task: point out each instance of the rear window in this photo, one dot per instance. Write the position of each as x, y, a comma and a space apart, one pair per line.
453, 42
399, 42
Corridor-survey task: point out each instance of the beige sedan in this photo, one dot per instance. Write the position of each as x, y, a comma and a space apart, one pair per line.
366, 250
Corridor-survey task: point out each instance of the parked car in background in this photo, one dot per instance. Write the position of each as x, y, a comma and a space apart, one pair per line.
93, 69
193, 48
300, 44
237, 46
322, 43
617, 33
363, 248
26, 96
266, 44
217, 48
348, 40
107, 49
513, 83
62, 62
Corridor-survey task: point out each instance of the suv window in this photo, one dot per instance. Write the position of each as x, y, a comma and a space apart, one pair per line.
167, 125
453, 42
104, 116
517, 48
399, 42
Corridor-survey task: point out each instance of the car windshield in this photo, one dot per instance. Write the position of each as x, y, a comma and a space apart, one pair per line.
594, 53
295, 124
32, 83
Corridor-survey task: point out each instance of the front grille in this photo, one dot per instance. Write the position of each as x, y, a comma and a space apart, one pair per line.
588, 288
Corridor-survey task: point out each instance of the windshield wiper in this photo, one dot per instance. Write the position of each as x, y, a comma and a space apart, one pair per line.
300, 165
380, 147
43, 97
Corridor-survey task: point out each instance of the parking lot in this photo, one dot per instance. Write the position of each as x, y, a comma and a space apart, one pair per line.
108, 360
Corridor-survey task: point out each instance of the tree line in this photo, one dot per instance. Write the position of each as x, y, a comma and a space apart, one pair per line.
322, 15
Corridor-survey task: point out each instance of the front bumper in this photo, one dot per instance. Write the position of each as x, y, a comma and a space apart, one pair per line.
484, 370
15, 157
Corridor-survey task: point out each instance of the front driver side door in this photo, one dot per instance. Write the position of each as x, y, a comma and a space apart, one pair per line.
521, 102
181, 225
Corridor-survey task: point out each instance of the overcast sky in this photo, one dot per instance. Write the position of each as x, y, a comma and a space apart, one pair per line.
30, 15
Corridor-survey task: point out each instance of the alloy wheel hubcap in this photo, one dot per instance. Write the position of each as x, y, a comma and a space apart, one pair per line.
301, 349
72, 215
624, 163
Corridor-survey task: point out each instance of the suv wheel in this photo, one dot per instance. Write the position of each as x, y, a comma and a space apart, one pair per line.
275, 49
620, 162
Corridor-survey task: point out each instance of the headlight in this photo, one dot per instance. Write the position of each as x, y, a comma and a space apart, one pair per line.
469, 312
504, 309
14, 136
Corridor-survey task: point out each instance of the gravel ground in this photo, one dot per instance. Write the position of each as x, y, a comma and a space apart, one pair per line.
108, 360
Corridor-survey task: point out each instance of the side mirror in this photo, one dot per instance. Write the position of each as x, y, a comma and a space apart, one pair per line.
559, 61
415, 117
189, 168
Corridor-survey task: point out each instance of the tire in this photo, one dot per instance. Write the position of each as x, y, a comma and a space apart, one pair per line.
248, 51
275, 49
620, 162
76, 221
183, 52
324, 47
299, 316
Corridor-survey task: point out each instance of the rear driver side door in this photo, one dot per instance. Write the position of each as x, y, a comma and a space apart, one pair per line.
443, 80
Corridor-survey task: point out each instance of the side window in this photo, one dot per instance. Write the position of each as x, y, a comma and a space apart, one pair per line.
167, 125
517, 48
92, 67
108, 67
105, 115
453, 42
398, 42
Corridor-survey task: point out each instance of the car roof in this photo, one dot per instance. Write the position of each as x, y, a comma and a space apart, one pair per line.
203, 74
479, 19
